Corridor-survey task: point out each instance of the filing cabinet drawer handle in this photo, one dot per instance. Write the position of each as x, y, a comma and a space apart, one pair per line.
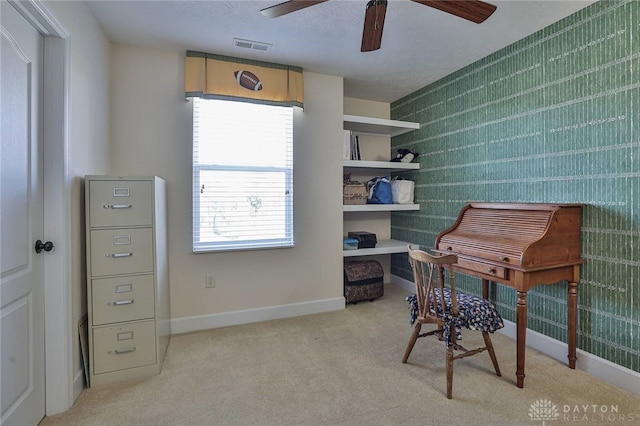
117, 206
123, 302
119, 255
124, 350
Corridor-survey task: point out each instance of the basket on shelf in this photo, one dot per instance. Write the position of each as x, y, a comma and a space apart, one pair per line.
354, 193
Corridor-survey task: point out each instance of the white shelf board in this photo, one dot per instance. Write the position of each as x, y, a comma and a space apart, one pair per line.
379, 126
387, 166
379, 207
382, 247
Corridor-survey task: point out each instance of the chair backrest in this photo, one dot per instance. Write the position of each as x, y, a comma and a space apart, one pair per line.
431, 294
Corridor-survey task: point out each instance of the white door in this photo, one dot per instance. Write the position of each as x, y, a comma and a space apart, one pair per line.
22, 371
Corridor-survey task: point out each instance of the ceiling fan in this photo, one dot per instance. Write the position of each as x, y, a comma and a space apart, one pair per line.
472, 10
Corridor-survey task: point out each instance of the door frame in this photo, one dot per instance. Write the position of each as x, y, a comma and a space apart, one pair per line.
59, 369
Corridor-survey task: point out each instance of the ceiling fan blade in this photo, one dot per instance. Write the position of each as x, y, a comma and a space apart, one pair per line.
373, 25
472, 10
288, 7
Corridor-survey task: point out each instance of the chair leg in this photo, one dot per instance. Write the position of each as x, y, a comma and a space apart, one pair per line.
492, 354
412, 341
449, 372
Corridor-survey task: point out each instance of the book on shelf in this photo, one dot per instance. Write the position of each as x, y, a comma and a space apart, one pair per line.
350, 146
346, 145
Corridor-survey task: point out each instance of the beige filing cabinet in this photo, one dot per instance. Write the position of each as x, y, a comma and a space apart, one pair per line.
127, 277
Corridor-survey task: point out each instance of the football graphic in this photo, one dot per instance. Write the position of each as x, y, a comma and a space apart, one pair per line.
248, 80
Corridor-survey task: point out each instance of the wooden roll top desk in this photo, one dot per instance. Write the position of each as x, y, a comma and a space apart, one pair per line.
519, 245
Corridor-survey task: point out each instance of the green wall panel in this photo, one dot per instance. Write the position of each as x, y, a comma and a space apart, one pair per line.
554, 117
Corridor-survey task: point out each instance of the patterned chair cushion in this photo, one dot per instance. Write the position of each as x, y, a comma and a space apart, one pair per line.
474, 313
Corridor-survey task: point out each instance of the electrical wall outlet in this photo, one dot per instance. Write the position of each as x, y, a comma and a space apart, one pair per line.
210, 281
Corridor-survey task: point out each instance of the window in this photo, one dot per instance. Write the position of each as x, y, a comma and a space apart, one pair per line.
242, 175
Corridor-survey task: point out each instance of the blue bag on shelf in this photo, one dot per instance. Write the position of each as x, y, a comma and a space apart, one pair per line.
379, 189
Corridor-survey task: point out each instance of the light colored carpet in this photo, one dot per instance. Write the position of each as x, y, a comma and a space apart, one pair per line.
344, 368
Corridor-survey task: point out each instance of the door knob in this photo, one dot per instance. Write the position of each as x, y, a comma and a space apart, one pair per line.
48, 246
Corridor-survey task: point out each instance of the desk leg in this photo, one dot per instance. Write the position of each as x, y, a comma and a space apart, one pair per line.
572, 312
485, 289
521, 335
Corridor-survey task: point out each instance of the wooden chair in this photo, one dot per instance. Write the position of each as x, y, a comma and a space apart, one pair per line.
448, 310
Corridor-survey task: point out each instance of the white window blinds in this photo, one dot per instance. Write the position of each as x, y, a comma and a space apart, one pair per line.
242, 175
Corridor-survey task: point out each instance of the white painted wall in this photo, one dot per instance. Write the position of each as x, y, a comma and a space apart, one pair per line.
151, 135
88, 149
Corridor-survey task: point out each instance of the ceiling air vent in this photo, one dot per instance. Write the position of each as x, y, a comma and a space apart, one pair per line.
254, 45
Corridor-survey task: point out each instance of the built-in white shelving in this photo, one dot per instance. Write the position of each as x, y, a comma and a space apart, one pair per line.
379, 207
384, 127
378, 167
378, 126
382, 247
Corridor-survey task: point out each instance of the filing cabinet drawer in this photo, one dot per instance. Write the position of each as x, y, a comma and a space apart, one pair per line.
125, 346
121, 251
120, 203
122, 299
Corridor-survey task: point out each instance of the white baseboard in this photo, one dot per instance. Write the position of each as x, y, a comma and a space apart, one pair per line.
205, 322
601, 368
406, 285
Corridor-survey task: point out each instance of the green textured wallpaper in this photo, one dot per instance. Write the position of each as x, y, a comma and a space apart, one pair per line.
554, 117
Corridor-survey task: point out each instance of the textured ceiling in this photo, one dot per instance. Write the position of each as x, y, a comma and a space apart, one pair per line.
419, 45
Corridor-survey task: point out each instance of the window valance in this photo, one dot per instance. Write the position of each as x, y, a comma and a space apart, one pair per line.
222, 77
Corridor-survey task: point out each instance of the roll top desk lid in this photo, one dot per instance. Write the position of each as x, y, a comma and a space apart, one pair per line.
526, 236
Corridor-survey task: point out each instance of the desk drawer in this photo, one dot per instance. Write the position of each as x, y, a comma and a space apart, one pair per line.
484, 268
121, 251
122, 299
120, 203
124, 346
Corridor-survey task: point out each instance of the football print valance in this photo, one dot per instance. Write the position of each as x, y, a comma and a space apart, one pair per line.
223, 77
